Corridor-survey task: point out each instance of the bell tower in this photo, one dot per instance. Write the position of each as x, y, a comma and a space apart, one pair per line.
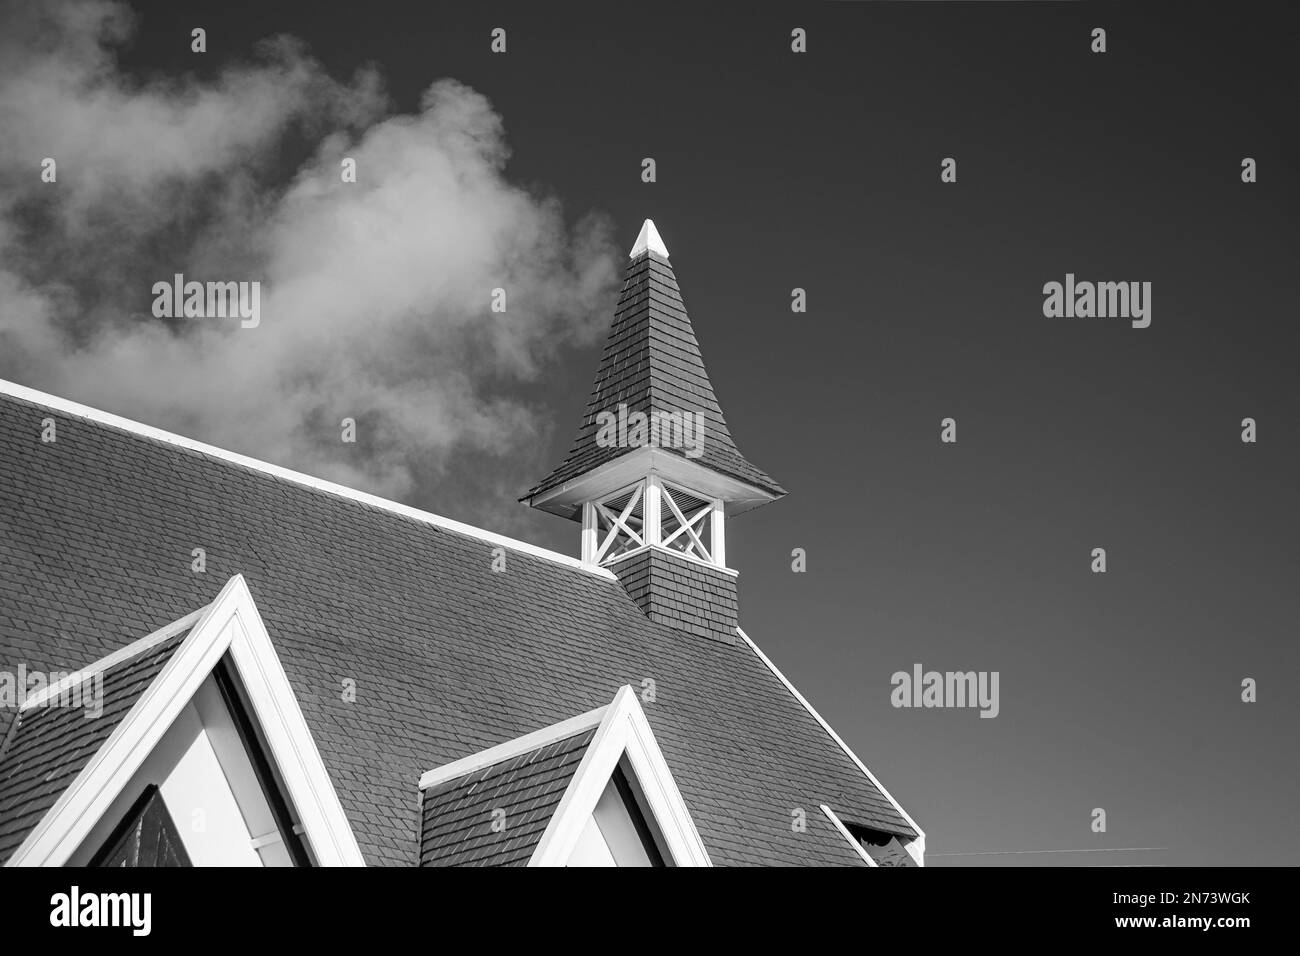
653, 474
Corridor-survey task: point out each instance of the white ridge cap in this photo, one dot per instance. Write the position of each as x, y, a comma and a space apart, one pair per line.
157, 434
648, 239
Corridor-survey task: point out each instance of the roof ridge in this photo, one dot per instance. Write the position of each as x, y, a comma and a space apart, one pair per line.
67, 407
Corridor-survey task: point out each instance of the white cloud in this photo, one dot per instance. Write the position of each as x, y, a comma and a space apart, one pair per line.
375, 295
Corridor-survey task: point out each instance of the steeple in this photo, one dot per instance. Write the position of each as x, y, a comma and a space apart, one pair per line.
653, 473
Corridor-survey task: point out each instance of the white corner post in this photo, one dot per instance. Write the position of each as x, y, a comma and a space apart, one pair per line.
717, 535
653, 524
590, 525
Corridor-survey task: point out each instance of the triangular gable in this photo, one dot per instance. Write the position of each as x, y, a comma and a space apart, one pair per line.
230, 627
554, 800
495, 814
57, 730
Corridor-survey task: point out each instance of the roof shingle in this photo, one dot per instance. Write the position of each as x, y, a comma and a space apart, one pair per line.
48, 746
652, 364
458, 814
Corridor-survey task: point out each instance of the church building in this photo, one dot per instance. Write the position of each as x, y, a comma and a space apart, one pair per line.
206, 659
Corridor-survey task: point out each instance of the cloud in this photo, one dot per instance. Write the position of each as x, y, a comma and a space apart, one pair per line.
375, 295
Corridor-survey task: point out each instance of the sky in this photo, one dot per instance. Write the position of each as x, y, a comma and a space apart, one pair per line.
775, 170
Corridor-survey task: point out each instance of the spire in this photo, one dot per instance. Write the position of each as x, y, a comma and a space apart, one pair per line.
653, 473
652, 366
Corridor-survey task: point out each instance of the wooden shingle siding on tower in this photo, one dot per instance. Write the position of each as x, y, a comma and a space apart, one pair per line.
687, 596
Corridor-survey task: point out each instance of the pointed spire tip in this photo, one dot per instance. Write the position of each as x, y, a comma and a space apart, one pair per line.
649, 239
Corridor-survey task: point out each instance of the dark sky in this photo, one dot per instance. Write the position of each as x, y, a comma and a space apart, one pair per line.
775, 170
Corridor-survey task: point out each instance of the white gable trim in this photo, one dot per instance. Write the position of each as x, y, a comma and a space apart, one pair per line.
915, 847
230, 624
623, 730
104, 418
513, 748
134, 649
844, 831
732, 572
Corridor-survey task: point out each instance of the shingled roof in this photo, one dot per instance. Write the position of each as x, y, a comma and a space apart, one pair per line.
652, 364
47, 746
448, 657
456, 816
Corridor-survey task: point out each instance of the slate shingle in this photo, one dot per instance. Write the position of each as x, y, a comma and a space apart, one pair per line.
652, 363
457, 815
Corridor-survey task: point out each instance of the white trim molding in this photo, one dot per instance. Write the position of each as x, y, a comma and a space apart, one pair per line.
513, 748
623, 732
157, 434
645, 514
610, 562
632, 466
844, 831
230, 625
916, 846
134, 649
615, 530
